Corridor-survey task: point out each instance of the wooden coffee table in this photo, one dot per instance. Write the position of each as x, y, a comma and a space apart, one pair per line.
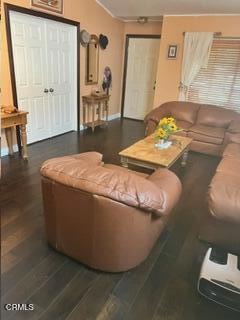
144, 154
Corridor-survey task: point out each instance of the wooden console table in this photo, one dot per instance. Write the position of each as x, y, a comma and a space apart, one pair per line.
8, 121
93, 105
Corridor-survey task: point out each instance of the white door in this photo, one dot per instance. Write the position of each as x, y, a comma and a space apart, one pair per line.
60, 62
141, 74
31, 77
44, 53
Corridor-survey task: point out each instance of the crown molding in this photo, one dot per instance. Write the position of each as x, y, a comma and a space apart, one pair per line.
108, 11
202, 15
135, 20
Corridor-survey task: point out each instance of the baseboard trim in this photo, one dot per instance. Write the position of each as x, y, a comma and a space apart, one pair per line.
4, 151
114, 116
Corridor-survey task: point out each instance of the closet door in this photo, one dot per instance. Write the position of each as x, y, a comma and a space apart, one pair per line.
45, 68
29, 53
60, 61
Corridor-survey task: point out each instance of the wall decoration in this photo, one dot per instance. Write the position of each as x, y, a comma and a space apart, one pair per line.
103, 41
50, 5
172, 51
107, 80
85, 38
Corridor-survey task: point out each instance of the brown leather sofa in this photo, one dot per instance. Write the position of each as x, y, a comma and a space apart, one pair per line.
103, 215
210, 127
222, 227
215, 131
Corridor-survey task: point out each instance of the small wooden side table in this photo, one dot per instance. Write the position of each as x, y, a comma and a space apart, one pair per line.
93, 105
8, 121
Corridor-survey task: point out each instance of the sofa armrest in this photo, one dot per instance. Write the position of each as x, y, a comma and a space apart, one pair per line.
156, 114
234, 126
234, 138
150, 127
167, 181
231, 138
152, 118
91, 156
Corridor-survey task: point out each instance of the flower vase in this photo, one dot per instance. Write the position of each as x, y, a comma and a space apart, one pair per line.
163, 144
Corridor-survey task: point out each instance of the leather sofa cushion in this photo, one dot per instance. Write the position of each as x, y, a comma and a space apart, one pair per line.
207, 134
185, 111
122, 169
224, 197
206, 147
234, 126
215, 116
185, 125
232, 150
92, 157
120, 185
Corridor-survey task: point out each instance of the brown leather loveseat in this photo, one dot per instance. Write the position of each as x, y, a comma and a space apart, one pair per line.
210, 127
105, 216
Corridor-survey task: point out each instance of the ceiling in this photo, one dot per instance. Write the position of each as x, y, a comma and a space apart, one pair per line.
131, 9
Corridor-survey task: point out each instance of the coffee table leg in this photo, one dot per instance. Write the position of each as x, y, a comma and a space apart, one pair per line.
124, 162
184, 158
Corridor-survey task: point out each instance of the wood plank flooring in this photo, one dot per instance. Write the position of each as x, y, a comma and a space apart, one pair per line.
161, 288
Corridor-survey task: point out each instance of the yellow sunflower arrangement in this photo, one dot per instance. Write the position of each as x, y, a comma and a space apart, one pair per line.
165, 128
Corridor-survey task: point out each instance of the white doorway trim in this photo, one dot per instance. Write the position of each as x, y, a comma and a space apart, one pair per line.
126, 63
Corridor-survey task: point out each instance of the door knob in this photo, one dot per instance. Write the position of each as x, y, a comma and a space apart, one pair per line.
51, 89
45, 90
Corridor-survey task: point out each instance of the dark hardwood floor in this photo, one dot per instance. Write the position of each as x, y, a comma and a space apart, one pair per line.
163, 287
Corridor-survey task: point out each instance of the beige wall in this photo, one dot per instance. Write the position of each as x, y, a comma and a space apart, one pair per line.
172, 33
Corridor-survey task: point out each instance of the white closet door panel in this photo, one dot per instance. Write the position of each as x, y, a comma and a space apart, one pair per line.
30, 70
141, 76
60, 64
37, 117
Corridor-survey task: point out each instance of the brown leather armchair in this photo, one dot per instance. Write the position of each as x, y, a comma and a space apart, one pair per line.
105, 216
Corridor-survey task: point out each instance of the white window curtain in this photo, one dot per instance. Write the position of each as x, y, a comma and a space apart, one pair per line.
196, 51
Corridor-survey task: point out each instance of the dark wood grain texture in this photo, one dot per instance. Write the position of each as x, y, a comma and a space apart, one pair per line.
162, 287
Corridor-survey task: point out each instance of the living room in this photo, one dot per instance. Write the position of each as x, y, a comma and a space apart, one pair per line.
120, 149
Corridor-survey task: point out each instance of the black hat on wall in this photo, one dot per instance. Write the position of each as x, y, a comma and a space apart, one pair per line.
103, 41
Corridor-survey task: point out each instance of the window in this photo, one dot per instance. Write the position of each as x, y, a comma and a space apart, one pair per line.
219, 82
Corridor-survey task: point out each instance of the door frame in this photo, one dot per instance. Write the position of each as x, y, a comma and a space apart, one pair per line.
10, 7
128, 37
